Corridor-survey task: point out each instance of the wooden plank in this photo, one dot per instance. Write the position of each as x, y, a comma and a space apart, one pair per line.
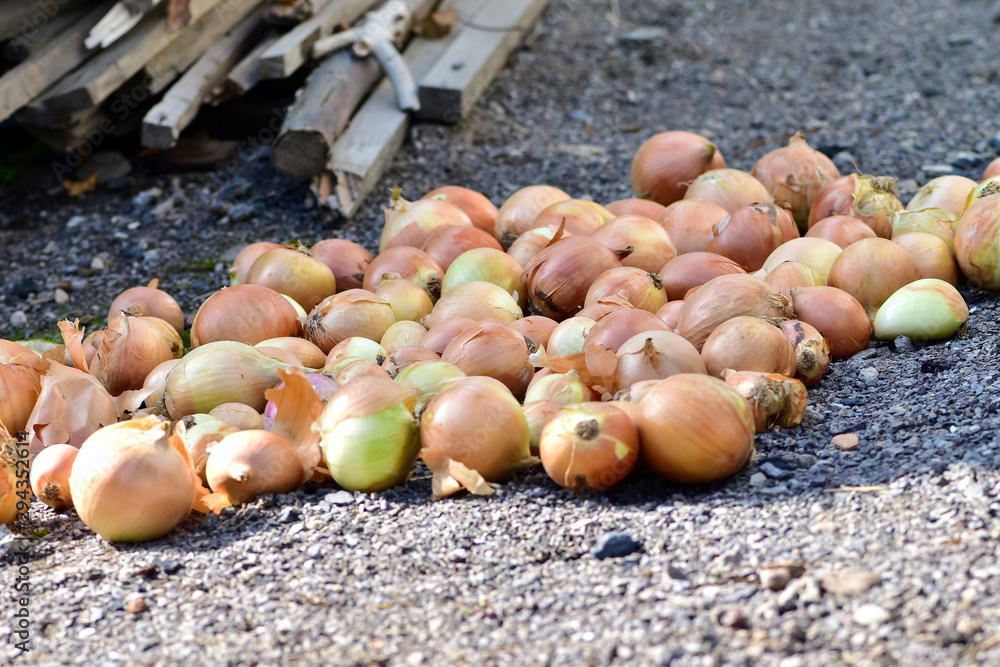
292, 50
196, 39
377, 131
163, 124
324, 106
97, 79
244, 75
42, 69
17, 17
462, 74
20, 46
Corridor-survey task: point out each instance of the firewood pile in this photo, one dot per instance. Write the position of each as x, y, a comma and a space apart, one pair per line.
74, 70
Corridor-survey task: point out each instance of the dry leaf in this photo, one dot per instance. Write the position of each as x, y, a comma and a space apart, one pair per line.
77, 188
451, 477
71, 406
299, 406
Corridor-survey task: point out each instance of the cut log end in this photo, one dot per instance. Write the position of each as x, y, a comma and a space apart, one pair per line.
301, 154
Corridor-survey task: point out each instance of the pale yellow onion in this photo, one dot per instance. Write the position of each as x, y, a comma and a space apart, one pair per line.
239, 415
427, 379
406, 263
294, 273
694, 429
132, 482
156, 381
521, 208
569, 336
729, 188
928, 309
132, 347
406, 356
487, 265
650, 243
872, 269
724, 298
403, 333
578, 216
559, 387
251, 463
936, 221
933, 257
794, 174
50, 475
369, 435
347, 369
199, 432
351, 313
308, 354
150, 301
871, 199
818, 254
977, 243
279, 354
409, 223
476, 300
358, 347
944, 192
633, 206
407, 300
985, 188
245, 313
536, 328
643, 290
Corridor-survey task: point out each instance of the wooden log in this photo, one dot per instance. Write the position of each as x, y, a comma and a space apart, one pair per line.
324, 106
244, 75
97, 79
366, 149
42, 69
292, 50
196, 39
163, 124
460, 77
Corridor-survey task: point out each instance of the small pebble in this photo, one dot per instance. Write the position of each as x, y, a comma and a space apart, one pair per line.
18, 319
871, 614
903, 344
614, 545
339, 498
868, 375
846, 442
774, 472
758, 479
733, 618
60, 296
136, 606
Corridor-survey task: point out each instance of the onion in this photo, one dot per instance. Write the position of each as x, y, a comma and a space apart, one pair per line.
355, 312
871, 199
729, 188
410, 223
477, 424
944, 192
50, 475
495, 350
521, 208
612, 331
557, 278
245, 259
238, 415
402, 334
538, 414
724, 298
976, 241
589, 446
369, 435
987, 188
928, 309
92, 343
132, 347
357, 347
643, 207
667, 162
748, 344
669, 313
480, 210
775, 400
294, 273
872, 269
569, 336
654, 355
578, 215
252, 463
346, 369
812, 351
156, 381
643, 290
992, 169
604, 305
476, 300
284, 356
689, 222
308, 354
933, 257
427, 379
533, 241
20, 384
795, 174
245, 313
405, 356
559, 387
679, 275
536, 328
488, 265
346, 259
439, 335
787, 275
818, 254
936, 221
446, 243
405, 263
149, 301
650, 243
694, 429
836, 315
407, 300
841, 229
131, 482
747, 236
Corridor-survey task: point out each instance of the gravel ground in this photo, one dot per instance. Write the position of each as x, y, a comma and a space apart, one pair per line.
813, 556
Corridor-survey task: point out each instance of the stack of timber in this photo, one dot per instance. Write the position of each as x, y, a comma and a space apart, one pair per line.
74, 72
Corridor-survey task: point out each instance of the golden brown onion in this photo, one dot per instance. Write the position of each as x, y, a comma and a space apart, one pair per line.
747, 236
818, 254
871, 199
836, 315
533, 241
438, 336
521, 208
245, 313
841, 229
132, 347
933, 257
788, 275
446, 243
536, 328
976, 241
405, 356
748, 344
644, 207
667, 162
346, 259
724, 298
578, 215
589, 446
294, 273
352, 313
150, 301
682, 273
650, 243
654, 355
50, 475
252, 463
245, 259
776, 400
480, 210
557, 278
812, 350
409, 223
669, 313
495, 350
643, 290
794, 175
688, 223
